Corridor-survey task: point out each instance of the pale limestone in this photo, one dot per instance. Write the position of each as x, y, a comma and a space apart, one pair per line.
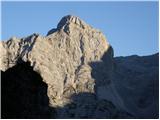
76, 59
62, 58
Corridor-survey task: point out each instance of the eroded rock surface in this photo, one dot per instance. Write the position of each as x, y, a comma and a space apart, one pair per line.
76, 63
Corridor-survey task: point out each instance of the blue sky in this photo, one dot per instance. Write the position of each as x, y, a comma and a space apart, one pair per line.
130, 27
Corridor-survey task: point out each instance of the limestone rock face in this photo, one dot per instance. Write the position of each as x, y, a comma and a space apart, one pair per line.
76, 63
62, 58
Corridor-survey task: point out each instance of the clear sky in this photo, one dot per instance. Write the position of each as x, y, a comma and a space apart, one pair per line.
130, 27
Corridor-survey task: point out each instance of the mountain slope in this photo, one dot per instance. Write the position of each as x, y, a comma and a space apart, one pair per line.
137, 81
76, 63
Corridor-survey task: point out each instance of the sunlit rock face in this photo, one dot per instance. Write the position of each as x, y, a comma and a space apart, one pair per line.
76, 63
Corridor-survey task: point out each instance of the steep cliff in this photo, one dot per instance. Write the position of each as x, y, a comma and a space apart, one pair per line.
77, 71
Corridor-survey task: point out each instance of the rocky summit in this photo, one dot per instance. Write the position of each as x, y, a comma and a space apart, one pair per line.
71, 73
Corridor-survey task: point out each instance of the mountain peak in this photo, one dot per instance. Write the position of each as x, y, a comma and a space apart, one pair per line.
69, 19
72, 69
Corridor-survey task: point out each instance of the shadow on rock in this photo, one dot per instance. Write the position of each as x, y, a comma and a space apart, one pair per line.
102, 70
85, 105
88, 105
24, 94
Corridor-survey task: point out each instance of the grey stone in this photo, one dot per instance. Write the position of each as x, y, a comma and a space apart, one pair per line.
83, 79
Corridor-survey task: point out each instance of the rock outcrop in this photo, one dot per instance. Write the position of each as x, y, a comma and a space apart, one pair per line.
76, 63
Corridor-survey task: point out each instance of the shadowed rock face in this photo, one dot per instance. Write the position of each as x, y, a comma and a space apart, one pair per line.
71, 73
137, 81
24, 94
